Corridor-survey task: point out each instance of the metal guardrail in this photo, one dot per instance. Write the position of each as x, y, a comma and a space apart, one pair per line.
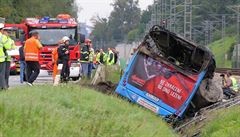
235, 71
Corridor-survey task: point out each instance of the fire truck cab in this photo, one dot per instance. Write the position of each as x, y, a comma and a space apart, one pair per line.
51, 30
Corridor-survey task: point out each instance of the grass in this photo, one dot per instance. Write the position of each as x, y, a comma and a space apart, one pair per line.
113, 73
220, 123
220, 49
74, 111
224, 123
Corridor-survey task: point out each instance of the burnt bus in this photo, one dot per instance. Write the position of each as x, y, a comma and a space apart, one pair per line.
166, 72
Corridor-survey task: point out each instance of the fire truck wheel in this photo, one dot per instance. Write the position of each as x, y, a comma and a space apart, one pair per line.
75, 78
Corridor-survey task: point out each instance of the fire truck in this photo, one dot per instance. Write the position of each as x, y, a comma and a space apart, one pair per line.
51, 30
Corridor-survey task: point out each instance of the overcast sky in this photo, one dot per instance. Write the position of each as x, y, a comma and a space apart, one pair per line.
102, 8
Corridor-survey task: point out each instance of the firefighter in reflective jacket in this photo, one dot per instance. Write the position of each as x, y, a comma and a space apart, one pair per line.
84, 59
4, 44
110, 57
31, 51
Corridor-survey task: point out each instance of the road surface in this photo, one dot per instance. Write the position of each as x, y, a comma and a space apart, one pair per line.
14, 80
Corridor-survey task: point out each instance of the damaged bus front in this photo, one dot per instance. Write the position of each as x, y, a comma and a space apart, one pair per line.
166, 72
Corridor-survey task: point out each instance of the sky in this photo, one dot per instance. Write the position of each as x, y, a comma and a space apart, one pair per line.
102, 8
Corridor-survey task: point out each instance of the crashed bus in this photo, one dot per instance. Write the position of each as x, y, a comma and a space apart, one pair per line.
168, 75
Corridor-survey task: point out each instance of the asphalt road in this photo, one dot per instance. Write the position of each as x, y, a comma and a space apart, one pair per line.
14, 80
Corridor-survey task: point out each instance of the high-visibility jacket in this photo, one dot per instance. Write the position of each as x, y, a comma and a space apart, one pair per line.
55, 59
55, 55
101, 57
8, 57
91, 56
234, 84
31, 49
5, 43
110, 58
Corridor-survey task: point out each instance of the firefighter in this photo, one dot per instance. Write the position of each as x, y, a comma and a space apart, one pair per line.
5, 43
63, 58
110, 57
55, 60
31, 51
84, 59
101, 57
230, 85
8, 58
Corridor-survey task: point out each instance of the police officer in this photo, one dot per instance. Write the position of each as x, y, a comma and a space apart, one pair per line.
63, 58
5, 43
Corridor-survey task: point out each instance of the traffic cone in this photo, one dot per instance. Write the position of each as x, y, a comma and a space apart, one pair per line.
58, 76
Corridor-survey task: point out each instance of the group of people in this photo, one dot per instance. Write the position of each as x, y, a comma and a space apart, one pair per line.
29, 58
90, 59
6, 45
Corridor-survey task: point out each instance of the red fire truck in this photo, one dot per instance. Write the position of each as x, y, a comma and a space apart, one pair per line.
52, 30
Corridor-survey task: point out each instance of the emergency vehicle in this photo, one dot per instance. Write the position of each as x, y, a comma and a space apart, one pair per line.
165, 73
51, 30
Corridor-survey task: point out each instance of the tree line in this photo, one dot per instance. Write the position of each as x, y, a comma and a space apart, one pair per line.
127, 22
16, 10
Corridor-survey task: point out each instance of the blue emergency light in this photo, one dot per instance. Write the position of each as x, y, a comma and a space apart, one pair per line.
44, 19
47, 19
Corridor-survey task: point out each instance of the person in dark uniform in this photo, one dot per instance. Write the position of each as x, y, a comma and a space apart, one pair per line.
22, 64
63, 58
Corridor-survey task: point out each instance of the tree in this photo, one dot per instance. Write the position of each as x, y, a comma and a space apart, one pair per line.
124, 17
16, 10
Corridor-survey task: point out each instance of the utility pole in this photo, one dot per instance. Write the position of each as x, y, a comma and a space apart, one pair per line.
208, 32
236, 9
188, 19
236, 62
223, 26
172, 15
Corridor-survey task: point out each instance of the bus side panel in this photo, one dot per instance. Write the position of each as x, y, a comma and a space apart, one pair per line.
158, 87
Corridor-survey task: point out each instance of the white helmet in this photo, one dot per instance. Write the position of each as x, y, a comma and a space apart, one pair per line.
1, 25
65, 38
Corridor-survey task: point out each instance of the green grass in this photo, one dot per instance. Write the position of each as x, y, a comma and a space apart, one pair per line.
74, 111
219, 50
224, 123
113, 73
